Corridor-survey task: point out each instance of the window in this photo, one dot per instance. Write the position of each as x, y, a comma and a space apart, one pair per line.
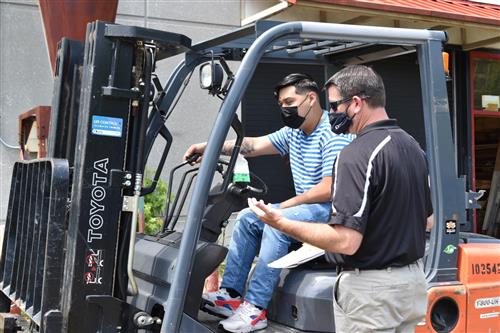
485, 131
485, 81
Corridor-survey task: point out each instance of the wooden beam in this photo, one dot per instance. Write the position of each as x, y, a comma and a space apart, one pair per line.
463, 36
440, 27
397, 24
322, 16
273, 10
481, 43
357, 20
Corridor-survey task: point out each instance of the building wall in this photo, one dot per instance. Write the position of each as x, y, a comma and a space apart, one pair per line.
26, 78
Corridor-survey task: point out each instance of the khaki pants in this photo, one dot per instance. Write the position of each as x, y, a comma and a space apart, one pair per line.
386, 300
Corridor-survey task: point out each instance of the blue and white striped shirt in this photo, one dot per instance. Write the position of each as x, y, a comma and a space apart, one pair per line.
311, 156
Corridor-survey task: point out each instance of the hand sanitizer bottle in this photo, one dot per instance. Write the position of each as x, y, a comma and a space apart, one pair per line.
241, 172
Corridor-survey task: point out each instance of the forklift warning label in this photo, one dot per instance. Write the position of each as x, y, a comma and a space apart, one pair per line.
107, 126
94, 262
487, 302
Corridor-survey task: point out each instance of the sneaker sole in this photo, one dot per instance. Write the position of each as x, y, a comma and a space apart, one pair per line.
247, 330
206, 307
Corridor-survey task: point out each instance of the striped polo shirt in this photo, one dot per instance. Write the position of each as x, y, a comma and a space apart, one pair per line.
311, 156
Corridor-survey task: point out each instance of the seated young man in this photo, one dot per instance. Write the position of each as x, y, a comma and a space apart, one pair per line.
312, 147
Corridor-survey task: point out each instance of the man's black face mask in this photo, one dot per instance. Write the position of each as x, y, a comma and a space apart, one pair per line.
339, 121
291, 117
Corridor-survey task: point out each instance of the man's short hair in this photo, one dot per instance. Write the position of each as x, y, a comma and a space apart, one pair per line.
303, 84
361, 81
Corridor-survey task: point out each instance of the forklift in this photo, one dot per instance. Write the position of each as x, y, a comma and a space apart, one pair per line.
71, 259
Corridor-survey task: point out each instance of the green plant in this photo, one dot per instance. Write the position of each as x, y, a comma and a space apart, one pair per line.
154, 204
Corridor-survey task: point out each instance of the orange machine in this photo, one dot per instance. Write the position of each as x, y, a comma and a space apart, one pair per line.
472, 304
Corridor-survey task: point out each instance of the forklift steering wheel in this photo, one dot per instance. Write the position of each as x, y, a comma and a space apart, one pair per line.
257, 187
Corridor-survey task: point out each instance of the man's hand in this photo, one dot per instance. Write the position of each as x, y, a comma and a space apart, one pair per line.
198, 148
266, 213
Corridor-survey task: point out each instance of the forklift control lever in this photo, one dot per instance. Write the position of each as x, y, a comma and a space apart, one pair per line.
193, 158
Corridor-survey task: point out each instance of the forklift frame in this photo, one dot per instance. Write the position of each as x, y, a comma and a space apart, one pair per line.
101, 168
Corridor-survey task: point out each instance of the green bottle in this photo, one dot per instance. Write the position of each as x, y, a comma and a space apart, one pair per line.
241, 172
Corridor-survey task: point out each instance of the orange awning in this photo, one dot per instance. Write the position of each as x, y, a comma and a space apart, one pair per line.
459, 10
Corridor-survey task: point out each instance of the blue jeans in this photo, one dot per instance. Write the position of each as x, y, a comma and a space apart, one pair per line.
250, 233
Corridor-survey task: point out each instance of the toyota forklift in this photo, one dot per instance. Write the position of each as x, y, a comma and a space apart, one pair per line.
71, 259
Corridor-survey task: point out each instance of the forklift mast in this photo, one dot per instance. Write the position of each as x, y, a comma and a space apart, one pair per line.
106, 117
97, 140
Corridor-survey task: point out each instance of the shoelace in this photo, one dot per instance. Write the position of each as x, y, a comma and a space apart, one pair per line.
223, 293
245, 310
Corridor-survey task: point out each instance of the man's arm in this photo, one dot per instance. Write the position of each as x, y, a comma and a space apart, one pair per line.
320, 192
250, 147
332, 238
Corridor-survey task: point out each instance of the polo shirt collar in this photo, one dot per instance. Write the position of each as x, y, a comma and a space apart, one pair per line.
382, 124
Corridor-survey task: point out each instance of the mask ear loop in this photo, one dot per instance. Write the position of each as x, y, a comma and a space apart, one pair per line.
347, 109
310, 107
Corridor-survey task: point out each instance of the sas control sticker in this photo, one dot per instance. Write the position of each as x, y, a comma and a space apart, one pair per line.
107, 126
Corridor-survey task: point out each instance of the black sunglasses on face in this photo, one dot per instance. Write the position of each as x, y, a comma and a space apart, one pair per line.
334, 105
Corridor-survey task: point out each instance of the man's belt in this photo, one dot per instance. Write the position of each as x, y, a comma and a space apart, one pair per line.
341, 268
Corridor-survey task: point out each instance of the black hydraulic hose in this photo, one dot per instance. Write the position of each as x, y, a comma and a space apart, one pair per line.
143, 115
122, 258
139, 126
142, 118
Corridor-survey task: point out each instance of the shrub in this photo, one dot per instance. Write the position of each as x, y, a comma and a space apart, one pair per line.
154, 205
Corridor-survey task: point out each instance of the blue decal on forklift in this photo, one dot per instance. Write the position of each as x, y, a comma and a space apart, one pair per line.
107, 126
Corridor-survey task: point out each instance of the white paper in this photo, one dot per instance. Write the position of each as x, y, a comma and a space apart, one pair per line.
490, 99
304, 254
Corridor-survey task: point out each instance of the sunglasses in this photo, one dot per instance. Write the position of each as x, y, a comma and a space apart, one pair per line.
335, 105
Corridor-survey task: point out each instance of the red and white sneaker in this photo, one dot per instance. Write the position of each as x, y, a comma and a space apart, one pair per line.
246, 318
220, 303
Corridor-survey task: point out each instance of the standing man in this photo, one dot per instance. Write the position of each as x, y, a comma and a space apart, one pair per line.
381, 199
312, 149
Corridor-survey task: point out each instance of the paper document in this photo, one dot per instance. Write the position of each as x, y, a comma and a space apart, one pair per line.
304, 254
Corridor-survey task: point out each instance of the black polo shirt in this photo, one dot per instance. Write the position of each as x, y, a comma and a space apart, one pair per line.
381, 189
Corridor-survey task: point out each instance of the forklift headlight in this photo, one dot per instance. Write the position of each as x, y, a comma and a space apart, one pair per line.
211, 75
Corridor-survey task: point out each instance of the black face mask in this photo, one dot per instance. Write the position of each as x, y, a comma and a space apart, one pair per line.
291, 117
340, 122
